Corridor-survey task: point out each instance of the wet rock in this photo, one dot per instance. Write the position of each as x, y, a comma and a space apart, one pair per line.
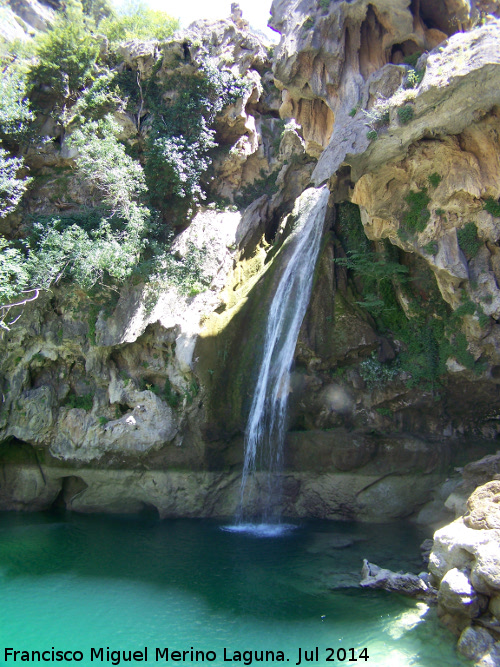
457, 596
395, 582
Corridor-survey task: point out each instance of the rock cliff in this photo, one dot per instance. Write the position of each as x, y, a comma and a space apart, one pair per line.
132, 396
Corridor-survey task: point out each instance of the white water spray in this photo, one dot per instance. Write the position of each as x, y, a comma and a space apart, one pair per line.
265, 433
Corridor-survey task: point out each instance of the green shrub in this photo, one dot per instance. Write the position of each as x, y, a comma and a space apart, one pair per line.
353, 112
138, 22
468, 239
413, 78
66, 53
13, 272
97, 9
84, 402
492, 206
418, 215
376, 374
406, 114
308, 23
266, 184
431, 248
179, 146
15, 113
412, 59
434, 179
11, 187
372, 134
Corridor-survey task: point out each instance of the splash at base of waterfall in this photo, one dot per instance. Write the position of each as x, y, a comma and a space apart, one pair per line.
261, 529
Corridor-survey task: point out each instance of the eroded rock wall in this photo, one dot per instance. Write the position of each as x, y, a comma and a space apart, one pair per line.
138, 398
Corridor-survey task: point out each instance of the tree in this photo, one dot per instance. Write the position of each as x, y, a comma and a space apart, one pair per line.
66, 53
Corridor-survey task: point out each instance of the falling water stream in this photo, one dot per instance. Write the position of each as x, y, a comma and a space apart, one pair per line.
265, 432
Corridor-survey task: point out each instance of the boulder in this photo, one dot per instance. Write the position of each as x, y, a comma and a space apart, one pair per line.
483, 507
474, 642
374, 576
457, 596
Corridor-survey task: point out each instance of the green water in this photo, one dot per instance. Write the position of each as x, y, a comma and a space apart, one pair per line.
80, 582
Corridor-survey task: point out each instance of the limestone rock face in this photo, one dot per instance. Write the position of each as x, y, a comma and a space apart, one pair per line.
465, 565
456, 595
484, 507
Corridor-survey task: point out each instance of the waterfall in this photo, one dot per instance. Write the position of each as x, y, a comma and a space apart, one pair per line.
266, 426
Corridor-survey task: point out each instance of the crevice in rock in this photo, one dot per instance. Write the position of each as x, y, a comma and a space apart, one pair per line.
372, 56
72, 486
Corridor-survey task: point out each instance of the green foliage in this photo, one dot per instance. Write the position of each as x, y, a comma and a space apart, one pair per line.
406, 114
412, 59
376, 374
431, 248
353, 112
179, 146
308, 23
103, 420
324, 4
84, 402
102, 160
351, 228
372, 134
100, 98
14, 118
385, 412
11, 187
413, 78
492, 206
417, 217
15, 113
103, 243
138, 22
434, 179
186, 274
440, 212
468, 239
97, 9
266, 184
169, 394
66, 53
13, 274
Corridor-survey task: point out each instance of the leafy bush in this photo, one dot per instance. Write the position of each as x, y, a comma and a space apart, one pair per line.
418, 215
179, 146
413, 78
468, 239
372, 134
84, 402
138, 22
434, 179
103, 162
66, 53
406, 114
492, 206
266, 184
376, 374
13, 274
412, 59
431, 248
97, 9
11, 187
15, 113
